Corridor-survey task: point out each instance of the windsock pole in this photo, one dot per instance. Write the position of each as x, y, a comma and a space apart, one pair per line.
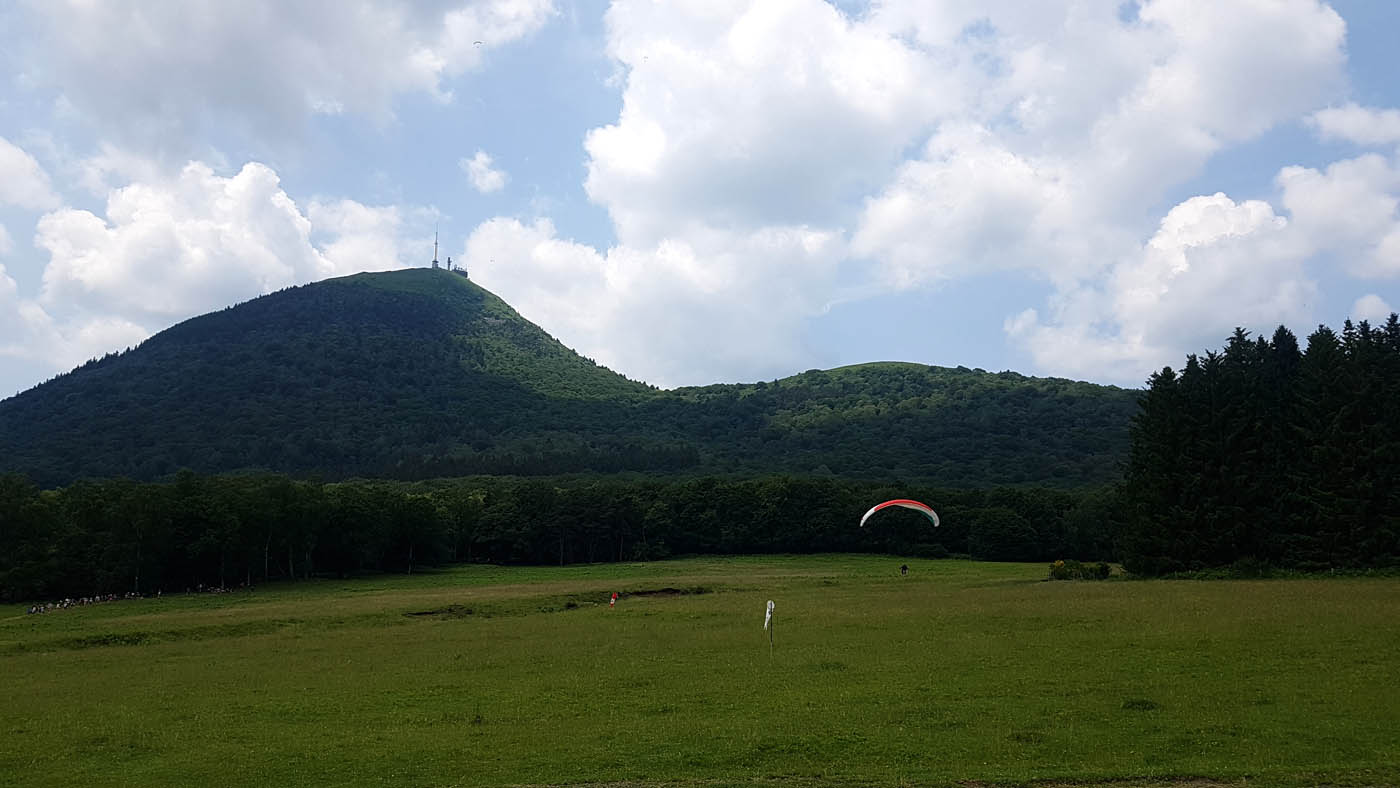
769, 625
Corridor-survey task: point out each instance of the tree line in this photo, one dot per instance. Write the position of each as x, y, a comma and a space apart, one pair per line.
1264, 454
1267, 455
120, 536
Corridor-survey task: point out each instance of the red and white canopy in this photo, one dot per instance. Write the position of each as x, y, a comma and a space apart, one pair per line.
907, 504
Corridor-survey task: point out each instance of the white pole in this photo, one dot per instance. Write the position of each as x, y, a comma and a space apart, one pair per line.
769, 625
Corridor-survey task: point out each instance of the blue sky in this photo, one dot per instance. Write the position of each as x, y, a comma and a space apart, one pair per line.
693, 192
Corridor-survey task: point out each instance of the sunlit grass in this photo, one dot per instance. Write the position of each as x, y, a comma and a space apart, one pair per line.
960, 671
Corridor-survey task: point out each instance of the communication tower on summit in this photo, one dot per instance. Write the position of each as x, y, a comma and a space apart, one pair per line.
435, 260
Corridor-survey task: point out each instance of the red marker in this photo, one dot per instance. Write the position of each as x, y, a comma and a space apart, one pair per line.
613, 603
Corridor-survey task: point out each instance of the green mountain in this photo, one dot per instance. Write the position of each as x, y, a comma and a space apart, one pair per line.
422, 373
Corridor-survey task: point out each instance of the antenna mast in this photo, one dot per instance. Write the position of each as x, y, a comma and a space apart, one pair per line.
435, 260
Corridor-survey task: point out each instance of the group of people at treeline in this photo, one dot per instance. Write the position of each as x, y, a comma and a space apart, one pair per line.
67, 602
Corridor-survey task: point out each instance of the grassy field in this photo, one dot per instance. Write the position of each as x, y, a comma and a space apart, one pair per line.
960, 674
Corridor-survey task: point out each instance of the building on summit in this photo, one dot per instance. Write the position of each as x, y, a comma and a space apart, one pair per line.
454, 269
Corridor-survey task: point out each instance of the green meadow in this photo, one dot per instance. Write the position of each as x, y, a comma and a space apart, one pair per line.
961, 673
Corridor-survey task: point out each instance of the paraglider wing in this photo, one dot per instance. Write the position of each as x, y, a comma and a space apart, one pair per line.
907, 504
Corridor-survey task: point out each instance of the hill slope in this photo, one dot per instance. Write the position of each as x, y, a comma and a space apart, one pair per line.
422, 373
952, 425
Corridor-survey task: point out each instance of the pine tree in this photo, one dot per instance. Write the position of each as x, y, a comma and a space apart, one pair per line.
1152, 491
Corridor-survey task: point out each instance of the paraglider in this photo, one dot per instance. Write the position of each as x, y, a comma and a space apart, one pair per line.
907, 504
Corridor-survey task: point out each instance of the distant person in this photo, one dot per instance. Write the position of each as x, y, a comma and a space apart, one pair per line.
904, 569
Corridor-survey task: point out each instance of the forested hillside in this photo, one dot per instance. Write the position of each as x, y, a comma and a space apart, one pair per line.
1258, 457
421, 374
118, 536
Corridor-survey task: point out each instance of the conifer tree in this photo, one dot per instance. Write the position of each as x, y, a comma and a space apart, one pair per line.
1262, 454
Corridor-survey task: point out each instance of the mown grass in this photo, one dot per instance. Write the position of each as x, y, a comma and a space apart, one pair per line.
960, 673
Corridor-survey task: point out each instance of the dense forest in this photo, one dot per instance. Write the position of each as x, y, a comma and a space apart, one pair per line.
1268, 455
421, 374
119, 536
399, 421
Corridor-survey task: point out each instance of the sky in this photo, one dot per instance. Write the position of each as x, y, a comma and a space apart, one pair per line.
705, 191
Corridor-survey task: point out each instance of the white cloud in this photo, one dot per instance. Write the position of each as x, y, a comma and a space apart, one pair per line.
1212, 265
1215, 264
747, 132
22, 323
1352, 210
483, 176
173, 248
22, 181
715, 306
362, 237
1066, 161
1044, 135
181, 247
111, 167
1371, 307
747, 115
1239, 67
164, 75
28, 332
1357, 124
969, 205
759, 148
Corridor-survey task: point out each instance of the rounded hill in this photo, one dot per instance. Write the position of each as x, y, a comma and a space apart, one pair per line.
421, 373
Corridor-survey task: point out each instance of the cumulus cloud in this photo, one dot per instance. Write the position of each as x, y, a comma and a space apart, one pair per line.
760, 150
22, 181
970, 205
29, 333
684, 311
746, 115
1371, 307
1359, 125
112, 167
22, 322
1212, 264
948, 139
163, 74
1066, 160
1233, 69
484, 178
1350, 209
747, 132
357, 237
185, 246
9, 304
169, 249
